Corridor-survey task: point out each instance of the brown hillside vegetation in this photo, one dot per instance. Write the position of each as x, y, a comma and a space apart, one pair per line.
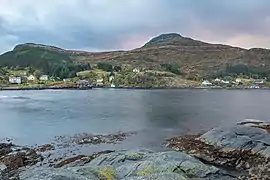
191, 56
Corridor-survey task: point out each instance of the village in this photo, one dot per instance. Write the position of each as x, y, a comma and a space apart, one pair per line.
237, 83
84, 79
123, 78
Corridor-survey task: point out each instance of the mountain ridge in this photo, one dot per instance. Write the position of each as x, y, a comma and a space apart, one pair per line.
189, 55
152, 42
161, 36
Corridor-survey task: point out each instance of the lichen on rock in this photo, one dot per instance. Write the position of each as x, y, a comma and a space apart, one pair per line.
119, 165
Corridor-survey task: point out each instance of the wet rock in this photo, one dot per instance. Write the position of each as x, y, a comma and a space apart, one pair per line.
57, 174
21, 159
143, 163
101, 172
85, 138
254, 138
260, 172
7, 173
2, 169
79, 160
75, 161
44, 148
131, 165
5, 148
243, 146
97, 154
75, 173
116, 158
14, 161
159, 176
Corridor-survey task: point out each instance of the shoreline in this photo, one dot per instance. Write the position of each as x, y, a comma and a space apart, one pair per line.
194, 155
18, 88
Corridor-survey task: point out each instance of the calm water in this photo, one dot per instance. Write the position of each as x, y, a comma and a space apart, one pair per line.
31, 117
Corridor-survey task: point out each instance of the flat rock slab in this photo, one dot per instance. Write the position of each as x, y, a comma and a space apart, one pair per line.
244, 147
251, 135
131, 165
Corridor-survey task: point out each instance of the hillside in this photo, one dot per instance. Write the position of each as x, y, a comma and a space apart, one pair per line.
162, 53
36, 57
192, 57
47, 59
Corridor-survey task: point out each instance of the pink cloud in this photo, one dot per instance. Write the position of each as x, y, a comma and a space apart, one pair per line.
249, 41
134, 41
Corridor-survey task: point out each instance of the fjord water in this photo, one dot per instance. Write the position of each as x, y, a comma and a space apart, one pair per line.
36, 117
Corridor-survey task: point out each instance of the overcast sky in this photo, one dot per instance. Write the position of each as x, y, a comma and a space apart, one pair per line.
98, 25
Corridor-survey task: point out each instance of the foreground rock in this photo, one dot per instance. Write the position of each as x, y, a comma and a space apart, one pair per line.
240, 151
132, 165
12, 158
244, 146
44, 148
79, 160
5, 148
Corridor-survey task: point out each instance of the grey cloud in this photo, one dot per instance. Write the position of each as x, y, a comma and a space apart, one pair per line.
230, 17
104, 24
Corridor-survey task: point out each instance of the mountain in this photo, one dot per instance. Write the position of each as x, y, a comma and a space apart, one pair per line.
37, 57
46, 59
163, 53
173, 39
195, 57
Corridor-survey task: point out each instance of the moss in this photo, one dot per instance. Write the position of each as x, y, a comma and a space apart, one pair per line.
145, 171
106, 173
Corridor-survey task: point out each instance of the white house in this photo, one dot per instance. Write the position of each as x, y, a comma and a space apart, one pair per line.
99, 82
31, 78
259, 81
206, 83
254, 86
66, 80
136, 70
15, 80
44, 78
111, 78
112, 85
217, 80
23, 74
238, 80
225, 82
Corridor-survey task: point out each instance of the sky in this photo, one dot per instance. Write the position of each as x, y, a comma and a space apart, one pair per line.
101, 25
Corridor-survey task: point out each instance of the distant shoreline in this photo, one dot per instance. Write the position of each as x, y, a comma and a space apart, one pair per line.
215, 88
18, 88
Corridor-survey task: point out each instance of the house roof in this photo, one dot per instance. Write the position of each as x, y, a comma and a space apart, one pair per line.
259, 80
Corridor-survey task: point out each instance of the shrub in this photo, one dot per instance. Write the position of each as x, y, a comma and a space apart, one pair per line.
105, 66
172, 68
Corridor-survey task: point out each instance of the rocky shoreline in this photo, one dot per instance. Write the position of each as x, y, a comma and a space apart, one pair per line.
240, 151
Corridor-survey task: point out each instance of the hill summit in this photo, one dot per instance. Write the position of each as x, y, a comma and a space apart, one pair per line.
173, 39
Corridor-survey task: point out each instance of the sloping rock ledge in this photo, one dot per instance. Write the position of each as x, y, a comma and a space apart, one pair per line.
132, 165
242, 147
